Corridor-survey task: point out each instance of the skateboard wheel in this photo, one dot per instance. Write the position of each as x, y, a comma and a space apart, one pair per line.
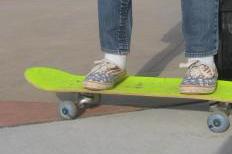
218, 122
68, 110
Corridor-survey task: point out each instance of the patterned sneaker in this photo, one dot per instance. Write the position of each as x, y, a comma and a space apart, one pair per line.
199, 79
104, 75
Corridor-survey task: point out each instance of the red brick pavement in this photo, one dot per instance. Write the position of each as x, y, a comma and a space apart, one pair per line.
15, 113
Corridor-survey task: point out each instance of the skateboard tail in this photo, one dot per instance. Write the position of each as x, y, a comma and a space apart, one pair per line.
51, 79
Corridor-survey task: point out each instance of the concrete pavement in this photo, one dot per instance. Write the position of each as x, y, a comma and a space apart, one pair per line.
151, 131
64, 34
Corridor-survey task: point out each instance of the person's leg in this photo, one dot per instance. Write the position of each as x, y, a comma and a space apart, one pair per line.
115, 26
201, 34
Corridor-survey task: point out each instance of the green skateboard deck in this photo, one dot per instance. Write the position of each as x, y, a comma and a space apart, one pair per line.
55, 80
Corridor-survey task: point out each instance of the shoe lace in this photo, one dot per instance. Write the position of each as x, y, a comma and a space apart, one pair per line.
196, 69
188, 64
105, 66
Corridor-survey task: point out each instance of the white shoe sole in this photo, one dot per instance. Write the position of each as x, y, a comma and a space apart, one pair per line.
96, 86
196, 90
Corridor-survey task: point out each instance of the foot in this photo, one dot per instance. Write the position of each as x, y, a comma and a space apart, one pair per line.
199, 79
105, 75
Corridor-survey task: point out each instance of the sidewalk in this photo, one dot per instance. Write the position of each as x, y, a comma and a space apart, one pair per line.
158, 131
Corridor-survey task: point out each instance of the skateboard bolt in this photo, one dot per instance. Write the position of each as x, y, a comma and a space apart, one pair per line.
217, 122
65, 111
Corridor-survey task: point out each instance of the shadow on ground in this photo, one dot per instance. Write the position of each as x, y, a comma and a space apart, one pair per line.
159, 61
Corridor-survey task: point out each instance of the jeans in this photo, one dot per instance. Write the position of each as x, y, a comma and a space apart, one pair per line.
199, 26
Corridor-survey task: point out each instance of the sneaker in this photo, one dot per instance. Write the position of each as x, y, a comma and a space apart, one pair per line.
199, 78
105, 75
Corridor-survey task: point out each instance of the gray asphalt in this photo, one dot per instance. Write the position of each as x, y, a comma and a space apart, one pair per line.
64, 34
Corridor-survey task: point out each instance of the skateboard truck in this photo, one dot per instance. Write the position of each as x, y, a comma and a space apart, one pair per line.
88, 100
218, 121
70, 110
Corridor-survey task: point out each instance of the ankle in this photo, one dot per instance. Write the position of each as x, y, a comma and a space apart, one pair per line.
209, 60
119, 60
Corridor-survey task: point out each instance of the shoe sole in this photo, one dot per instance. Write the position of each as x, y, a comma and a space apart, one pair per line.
96, 86
196, 90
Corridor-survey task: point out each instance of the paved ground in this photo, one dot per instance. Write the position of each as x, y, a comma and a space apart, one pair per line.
64, 34
150, 131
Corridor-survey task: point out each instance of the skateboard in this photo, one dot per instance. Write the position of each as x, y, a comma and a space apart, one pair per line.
55, 80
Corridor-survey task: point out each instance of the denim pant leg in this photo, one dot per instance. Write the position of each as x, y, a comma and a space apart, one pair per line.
115, 25
200, 27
